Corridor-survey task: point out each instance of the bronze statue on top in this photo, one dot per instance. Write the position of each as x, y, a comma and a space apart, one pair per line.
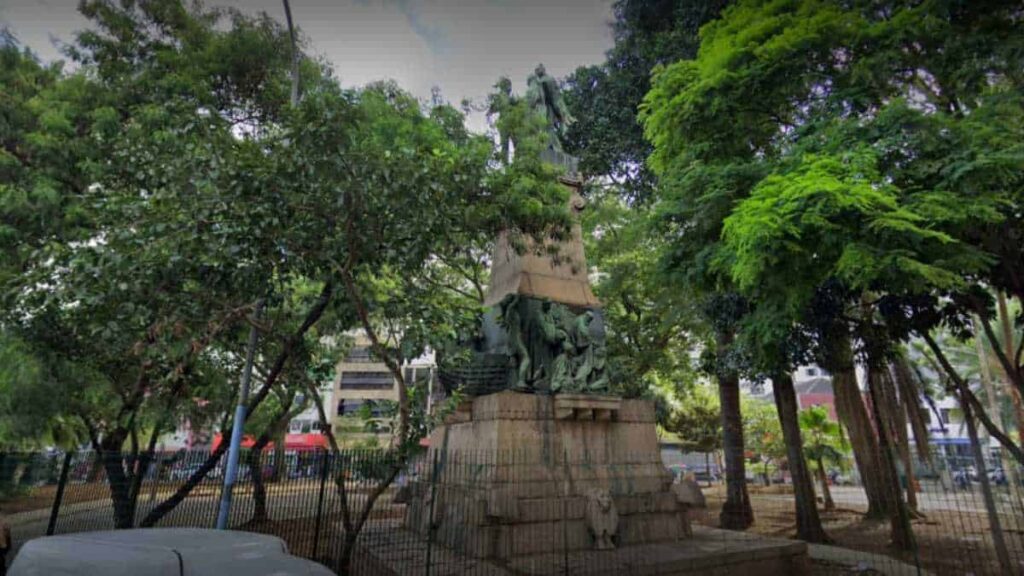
544, 331
545, 99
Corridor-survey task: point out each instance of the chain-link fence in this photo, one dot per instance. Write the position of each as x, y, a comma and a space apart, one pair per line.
532, 512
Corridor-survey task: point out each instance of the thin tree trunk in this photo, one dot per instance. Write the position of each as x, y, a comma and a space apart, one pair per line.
118, 480
279, 454
896, 407
908, 472
736, 512
808, 523
899, 519
1006, 324
853, 414
826, 492
993, 401
259, 488
998, 540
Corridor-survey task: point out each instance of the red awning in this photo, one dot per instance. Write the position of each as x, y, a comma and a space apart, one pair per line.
291, 442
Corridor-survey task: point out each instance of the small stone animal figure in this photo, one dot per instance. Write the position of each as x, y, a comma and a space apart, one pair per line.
602, 519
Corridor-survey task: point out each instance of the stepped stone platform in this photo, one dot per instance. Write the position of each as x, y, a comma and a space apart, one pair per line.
524, 474
708, 552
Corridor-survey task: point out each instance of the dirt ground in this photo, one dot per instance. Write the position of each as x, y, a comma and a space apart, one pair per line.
34, 499
954, 542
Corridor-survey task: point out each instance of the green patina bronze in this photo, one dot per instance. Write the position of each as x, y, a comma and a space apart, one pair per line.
545, 99
553, 349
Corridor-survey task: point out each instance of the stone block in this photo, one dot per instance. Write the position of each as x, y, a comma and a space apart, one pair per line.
689, 493
635, 410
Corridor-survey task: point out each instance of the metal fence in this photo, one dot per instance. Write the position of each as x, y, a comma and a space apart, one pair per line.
522, 512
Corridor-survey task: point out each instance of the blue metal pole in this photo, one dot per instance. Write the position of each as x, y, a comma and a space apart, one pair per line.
231, 471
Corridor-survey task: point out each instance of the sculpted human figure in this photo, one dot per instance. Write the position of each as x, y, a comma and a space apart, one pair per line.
554, 338
545, 99
500, 102
512, 321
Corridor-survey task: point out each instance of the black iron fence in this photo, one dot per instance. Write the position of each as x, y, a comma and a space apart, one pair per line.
519, 512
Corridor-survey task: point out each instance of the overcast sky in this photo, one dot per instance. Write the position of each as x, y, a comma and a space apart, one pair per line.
461, 46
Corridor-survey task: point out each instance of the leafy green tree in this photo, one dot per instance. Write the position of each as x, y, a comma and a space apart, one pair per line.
763, 435
197, 189
651, 326
823, 443
877, 121
696, 420
604, 97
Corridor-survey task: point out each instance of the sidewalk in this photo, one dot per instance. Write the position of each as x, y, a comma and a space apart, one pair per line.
863, 561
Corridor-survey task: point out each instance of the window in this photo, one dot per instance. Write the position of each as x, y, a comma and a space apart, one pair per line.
347, 407
944, 413
300, 426
812, 371
361, 380
360, 354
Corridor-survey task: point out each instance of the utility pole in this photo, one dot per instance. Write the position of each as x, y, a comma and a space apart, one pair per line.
231, 472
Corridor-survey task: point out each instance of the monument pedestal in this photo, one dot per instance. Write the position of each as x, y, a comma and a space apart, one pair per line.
515, 474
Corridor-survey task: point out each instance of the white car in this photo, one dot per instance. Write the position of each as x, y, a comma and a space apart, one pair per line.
161, 552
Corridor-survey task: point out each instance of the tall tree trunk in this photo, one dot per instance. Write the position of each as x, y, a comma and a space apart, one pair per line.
998, 541
259, 488
853, 414
279, 454
993, 401
895, 409
826, 492
899, 518
736, 512
808, 523
908, 472
118, 479
1006, 324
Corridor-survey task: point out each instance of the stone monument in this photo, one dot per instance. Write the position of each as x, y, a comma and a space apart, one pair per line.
540, 458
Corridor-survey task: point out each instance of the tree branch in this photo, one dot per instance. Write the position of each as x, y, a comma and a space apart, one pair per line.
965, 392
1013, 372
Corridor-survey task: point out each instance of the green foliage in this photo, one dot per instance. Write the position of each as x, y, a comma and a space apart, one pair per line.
697, 420
823, 438
604, 98
153, 195
649, 324
815, 147
762, 433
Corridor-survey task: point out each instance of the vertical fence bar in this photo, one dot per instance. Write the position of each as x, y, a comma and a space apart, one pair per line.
320, 503
51, 527
430, 513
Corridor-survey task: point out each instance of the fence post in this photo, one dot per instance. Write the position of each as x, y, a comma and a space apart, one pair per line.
565, 511
324, 457
430, 514
51, 527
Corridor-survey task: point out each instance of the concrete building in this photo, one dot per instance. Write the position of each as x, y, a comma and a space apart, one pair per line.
364, 384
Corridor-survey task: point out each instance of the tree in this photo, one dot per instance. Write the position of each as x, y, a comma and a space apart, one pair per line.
189, 188
613, 152
697, 422
819, 98
604, 98
651, 326
763, 435
823, 443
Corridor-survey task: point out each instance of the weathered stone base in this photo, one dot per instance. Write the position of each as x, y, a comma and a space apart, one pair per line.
518, 475
708, 552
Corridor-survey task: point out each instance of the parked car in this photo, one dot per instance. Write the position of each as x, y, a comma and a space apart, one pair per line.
161, 552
